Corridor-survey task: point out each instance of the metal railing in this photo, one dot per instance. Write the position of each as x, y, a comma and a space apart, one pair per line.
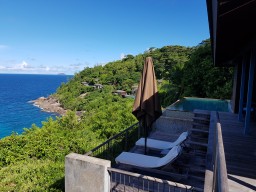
123, 181
123, 141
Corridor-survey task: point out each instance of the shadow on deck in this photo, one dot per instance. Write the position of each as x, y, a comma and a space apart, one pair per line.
240, 153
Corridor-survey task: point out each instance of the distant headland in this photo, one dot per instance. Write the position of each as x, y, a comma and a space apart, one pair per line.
49, 104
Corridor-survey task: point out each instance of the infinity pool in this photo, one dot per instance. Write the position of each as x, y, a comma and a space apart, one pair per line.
191, 103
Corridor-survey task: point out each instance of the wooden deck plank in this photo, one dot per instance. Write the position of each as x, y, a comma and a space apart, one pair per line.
240, 152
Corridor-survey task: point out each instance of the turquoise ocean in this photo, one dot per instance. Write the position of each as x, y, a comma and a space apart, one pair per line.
16, 112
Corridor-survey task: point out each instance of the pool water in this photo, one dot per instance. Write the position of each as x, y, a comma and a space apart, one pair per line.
191, 103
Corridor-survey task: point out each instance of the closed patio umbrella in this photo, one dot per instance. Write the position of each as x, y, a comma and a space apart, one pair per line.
147, 106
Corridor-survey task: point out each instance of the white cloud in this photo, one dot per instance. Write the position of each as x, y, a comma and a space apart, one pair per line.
30, 67
17, 68
22, 65
122, 56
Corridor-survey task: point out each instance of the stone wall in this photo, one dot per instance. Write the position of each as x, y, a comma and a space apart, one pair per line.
87, 174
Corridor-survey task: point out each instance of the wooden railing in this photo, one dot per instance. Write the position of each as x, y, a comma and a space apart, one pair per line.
218, 180
123, 141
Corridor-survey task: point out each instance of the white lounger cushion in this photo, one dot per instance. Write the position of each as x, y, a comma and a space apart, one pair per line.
157, 144
146, 161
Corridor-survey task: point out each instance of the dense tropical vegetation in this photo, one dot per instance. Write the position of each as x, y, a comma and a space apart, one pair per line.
34, 160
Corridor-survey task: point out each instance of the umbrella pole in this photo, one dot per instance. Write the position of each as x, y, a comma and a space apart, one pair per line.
145, 147
146, 135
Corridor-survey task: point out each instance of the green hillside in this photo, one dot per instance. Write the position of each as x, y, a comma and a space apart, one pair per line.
34, 161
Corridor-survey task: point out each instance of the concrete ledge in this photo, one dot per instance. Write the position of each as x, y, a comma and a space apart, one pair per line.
172, 125
85, 173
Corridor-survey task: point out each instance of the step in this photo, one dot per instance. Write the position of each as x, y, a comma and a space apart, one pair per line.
202, 122
196, 153
203, 116
197, 143
203, 112
199, 130
201, 119
199, 135
197, 139
200, 125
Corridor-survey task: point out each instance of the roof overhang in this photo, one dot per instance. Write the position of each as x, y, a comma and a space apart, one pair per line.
232, 28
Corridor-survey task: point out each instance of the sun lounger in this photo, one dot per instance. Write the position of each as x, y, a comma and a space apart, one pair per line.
160, 145
145, 161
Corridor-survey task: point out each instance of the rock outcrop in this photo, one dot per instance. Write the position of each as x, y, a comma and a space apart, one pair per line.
49, 104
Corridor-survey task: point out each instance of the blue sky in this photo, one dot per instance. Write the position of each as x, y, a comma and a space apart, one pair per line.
55, 36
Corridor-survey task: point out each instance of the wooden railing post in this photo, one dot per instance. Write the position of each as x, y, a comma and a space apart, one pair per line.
220, 178
216, 177
221, 163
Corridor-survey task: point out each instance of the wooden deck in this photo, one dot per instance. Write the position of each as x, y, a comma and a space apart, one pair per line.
240, 153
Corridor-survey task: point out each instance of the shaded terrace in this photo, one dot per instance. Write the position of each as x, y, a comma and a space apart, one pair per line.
191, 170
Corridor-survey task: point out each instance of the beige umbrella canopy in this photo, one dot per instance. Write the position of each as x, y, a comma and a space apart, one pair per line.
147, 106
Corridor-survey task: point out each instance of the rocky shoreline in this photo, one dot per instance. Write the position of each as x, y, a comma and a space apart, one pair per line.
49, 104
